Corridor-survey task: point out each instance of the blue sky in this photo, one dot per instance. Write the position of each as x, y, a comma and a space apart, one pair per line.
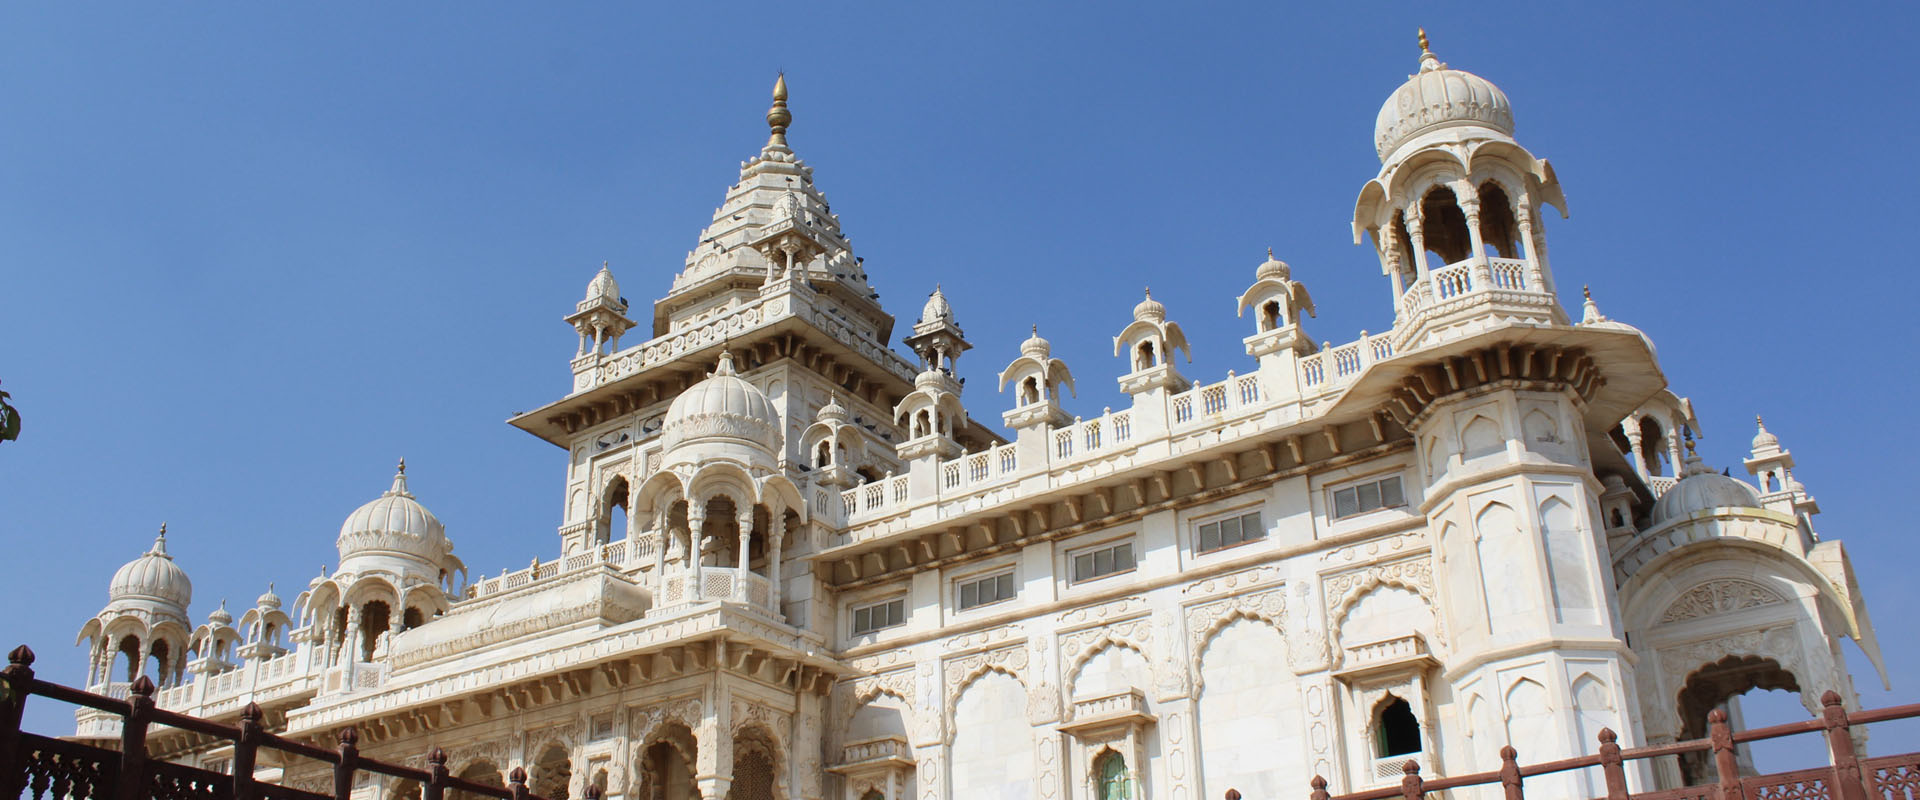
250, 255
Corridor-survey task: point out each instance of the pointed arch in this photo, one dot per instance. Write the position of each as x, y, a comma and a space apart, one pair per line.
1481, 436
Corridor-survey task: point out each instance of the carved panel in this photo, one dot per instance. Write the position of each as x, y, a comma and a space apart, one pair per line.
1269, 605
1717, 597
961, 671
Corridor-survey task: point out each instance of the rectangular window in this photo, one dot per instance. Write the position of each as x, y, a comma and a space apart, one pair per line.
1100, 562
867, 619
1370, 496
991, 589
1225, 533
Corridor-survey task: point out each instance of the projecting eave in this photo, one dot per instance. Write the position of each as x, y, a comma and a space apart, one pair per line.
1631, 371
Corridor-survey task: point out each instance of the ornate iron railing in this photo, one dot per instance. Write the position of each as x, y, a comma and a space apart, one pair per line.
1848, 778
42, 768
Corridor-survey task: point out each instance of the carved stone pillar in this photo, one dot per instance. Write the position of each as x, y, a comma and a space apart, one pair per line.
776, 543
743, 519
713, 772
1416, 234
696, 547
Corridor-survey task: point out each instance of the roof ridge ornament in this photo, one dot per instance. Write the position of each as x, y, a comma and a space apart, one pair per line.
160, 544
399, 482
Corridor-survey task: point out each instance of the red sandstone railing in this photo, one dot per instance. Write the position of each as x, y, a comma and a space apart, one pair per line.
1848, 778
44, 768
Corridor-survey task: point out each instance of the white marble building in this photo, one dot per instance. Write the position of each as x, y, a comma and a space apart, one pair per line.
795, 563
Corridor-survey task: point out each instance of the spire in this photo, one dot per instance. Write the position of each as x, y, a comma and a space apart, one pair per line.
1694, 466
1428, 61
400, 482
725, 367
160, 544
778, 117
1590, 313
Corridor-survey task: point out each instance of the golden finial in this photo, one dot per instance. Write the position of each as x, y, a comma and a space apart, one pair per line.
1269, 254
1036, 329
1586, 291
1149, 290
163, 529
1423, 41
403, 466
778, 118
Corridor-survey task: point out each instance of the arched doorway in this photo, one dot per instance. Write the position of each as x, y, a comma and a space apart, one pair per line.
482, 772
753, 769
666, 766
1715, 686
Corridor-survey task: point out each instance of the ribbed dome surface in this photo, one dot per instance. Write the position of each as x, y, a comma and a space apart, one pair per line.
1438, 97
724, 406
937, 308
1036, 347
1149, 310
1701, 489
153, 576
394, 522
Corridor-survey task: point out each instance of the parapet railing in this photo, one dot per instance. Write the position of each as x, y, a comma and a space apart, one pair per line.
1849, 777
45, 768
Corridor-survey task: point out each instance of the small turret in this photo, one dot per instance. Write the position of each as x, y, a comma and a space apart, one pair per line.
1036, 377
1148, 343
600, 318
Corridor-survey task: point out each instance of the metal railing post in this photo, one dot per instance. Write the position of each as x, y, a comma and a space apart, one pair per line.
133, 741
349, 761
1319, 789
517, 783
1612, 766
436, 788
1724, 763
1847, 783
245, 750
1510, 774
14, 683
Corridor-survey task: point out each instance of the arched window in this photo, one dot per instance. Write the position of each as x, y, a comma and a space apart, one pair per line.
1269, 315
1110, 780
1030, 391
373, 623
1444, 227
159, 655
823, 455
414, 618
1653, 445
614, 511
1498, 231
1144, 358
1396, 730
1404, 240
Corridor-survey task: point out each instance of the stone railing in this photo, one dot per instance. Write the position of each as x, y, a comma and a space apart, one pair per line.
1659, 485
1086, 437
978, 469
1461, 278
1125, 703
876, 749
1335, 367
717, 583
614, 553
1387, 651
781, 300
1213, 401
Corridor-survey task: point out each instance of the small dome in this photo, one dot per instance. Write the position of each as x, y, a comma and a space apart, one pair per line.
1036, 347
153, 576
833, 411
1437, 98
1149, 310
220, 616
937, 309
604, 287
1701, 489
394, 523
1764, 440
1273, 268
724, 406
268, 600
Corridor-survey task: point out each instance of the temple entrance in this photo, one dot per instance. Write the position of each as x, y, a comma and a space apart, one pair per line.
1719, 685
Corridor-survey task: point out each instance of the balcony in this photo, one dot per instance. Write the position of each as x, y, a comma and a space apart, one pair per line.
1400, 654
1450, 296
1117, 709
886, 750
718, 583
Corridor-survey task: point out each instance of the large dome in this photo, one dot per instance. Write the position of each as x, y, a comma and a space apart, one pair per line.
724, 407
394, 524
1701, 489
153, 577
1438, 97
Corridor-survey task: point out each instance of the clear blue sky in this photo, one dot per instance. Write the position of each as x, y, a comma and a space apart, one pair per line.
252, 254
